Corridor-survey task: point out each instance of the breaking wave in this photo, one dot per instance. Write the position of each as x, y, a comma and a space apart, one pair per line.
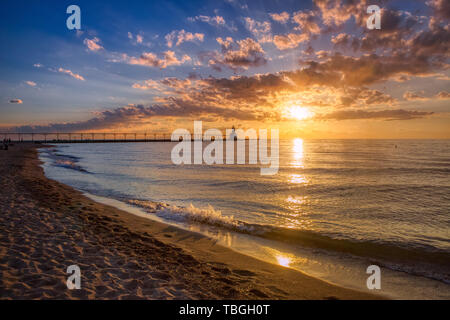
207, 215
389, 255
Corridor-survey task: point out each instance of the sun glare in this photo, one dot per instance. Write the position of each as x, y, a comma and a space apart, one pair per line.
299, 113
283, 261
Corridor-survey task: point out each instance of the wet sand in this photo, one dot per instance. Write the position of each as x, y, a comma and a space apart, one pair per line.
46, 226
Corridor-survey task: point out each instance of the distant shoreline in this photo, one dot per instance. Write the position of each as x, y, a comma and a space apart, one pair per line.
46, 226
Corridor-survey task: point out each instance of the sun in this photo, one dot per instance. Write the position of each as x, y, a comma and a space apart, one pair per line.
299, 113
283, 261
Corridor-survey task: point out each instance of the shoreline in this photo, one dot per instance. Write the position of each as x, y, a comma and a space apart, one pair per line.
45, 226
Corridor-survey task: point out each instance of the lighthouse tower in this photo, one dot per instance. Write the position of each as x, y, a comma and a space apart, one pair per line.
233, 135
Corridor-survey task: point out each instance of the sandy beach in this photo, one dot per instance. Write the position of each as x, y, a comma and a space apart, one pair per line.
46, 226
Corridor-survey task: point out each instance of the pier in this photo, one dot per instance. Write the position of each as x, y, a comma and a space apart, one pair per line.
85, 137
93, 137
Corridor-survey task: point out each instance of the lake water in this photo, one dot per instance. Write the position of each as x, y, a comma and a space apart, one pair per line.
334, 208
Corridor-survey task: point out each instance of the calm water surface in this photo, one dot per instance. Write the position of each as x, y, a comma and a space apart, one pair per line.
350, 202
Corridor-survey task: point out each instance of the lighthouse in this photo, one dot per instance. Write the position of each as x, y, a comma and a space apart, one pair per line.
233, 135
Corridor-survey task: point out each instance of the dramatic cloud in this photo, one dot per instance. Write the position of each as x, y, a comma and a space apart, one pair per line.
70, 73
267, 94
93, 44
178, 37
398, 114
402, 33
241, 54
343, 71
433, 43
16, 101
370, 69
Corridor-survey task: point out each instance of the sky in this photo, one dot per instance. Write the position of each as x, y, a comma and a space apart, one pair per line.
310, 68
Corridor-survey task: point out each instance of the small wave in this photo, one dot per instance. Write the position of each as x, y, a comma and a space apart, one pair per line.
74, 158
64, 160
428, 263
207, 215
149, 206
69, 165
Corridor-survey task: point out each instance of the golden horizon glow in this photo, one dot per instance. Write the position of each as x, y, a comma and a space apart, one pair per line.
300, 113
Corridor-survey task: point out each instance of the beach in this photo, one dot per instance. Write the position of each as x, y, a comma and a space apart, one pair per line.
46, 226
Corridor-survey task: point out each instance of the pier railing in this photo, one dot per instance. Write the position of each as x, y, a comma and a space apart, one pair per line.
92, 137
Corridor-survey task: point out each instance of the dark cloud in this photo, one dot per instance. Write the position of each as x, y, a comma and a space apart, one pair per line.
409, 95
369, 69
132, 115
402, 34
344, 40
441, 8
241, 54
364, 96
443, 95
429, 44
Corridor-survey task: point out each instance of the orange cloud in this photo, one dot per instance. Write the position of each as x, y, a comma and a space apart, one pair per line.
282, 17
150, 59
307, 22
261, 30
289, 41
93, 44
31, 83
178, 37
70, 73
409, 95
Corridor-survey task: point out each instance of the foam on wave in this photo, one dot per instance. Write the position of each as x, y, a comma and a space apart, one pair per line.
207, 215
